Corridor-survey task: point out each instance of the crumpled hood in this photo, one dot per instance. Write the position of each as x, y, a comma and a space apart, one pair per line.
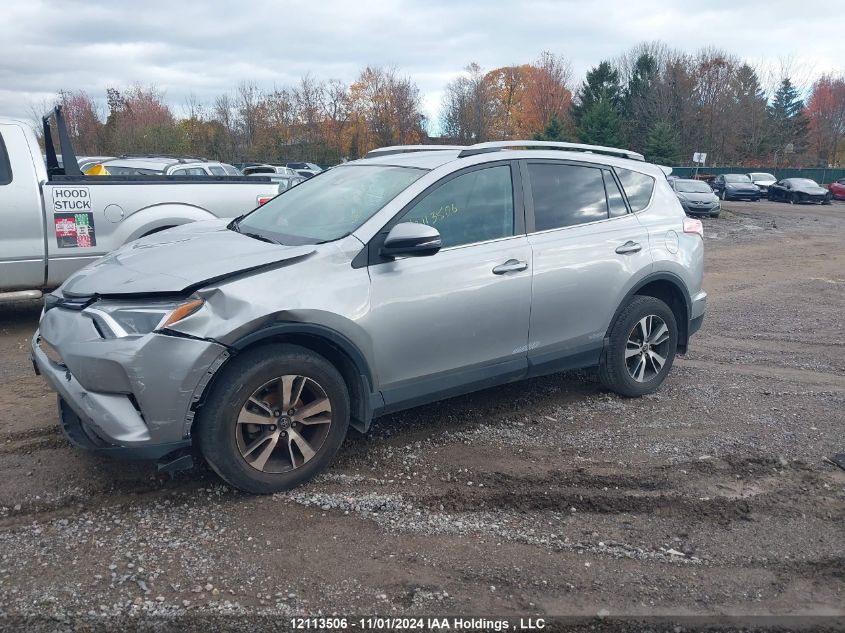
178, 259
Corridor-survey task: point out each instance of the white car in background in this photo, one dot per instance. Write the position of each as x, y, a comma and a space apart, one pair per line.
166, 166
763, 180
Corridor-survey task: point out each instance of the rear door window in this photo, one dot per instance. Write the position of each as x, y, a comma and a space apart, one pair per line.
566, 195
638, 188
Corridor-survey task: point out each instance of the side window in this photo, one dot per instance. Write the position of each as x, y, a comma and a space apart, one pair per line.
5, 166
217, 171
179, 172
473, 207
638, 187
615, 201
566, 195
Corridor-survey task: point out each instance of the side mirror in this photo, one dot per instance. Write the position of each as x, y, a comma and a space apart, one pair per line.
410, 239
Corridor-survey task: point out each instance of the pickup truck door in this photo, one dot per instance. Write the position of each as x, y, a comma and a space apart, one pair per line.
22, 264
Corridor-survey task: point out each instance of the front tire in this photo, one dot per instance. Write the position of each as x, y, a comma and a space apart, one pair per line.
641, 350
275, 418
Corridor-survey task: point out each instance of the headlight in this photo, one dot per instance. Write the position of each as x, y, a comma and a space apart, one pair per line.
682, 197
118, 319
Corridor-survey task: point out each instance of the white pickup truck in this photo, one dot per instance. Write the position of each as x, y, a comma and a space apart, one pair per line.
55, 220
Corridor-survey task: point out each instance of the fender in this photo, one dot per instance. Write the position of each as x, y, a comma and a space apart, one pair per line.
369, 399
672, 278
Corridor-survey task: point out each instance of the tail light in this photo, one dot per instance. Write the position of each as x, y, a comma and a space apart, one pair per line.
263, 199
693, 225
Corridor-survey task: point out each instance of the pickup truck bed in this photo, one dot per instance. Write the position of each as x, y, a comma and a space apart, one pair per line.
55, 224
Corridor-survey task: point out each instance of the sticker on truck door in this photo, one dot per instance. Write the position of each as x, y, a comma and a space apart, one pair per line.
75, 230
73, 217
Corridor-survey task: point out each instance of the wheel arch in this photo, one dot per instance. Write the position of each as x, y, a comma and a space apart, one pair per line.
334, 347
670, 289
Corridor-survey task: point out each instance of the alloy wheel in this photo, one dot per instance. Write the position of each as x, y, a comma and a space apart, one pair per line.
283, 424
647, 348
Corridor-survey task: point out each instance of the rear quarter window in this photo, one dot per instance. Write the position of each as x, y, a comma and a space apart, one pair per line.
638, 188
5, 166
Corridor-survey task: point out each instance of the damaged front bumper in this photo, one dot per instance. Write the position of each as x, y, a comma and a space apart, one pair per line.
130, 397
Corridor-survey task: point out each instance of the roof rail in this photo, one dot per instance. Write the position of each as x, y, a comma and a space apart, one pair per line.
495, 146
178, 159
407, 149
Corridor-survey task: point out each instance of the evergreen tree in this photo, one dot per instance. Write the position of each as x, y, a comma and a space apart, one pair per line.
638, 116
751, 119
602, 82
662, 144
788, 122
554, 131
601, 124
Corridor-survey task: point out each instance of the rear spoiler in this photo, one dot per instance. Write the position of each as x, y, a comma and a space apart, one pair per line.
69, 166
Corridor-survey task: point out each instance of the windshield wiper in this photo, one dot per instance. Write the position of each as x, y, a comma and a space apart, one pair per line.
257, 236
334, 239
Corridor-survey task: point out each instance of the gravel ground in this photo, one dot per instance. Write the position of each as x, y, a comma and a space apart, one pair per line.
541, 498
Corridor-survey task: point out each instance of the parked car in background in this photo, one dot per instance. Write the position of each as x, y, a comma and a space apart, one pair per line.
86, 162
696, 197
837, 189
762, 180
797, 190
269, 169
165, 166
735, 187
305, 169
56, 220
283, 181
386, 283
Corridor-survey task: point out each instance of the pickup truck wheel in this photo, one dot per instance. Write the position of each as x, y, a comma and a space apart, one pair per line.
275, 418
642, 345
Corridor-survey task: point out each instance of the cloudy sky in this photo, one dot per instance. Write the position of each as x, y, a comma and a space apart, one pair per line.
206, 48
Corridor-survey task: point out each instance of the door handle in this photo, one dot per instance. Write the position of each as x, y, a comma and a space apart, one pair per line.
510, 266
629, 247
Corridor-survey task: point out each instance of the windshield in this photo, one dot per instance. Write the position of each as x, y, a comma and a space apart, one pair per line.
804, 182
692, 186
736, 178
761, 176
329, 206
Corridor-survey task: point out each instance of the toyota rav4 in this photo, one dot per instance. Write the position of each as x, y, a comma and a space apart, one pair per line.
407, 277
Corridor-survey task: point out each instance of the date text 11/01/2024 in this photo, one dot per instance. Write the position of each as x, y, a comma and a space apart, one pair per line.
418, 624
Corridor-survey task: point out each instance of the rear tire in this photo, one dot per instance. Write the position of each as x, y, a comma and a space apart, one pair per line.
630, 365
282, 443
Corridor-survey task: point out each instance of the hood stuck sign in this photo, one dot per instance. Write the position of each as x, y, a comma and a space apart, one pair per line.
71, 200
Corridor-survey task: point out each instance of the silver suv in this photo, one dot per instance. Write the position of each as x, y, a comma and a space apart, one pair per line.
381, 284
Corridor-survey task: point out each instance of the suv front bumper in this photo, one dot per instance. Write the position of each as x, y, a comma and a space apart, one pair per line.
131, 397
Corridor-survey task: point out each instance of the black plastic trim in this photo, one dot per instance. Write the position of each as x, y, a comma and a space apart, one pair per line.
448, 384
5, 166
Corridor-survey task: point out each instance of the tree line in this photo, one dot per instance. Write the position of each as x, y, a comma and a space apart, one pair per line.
662, 102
